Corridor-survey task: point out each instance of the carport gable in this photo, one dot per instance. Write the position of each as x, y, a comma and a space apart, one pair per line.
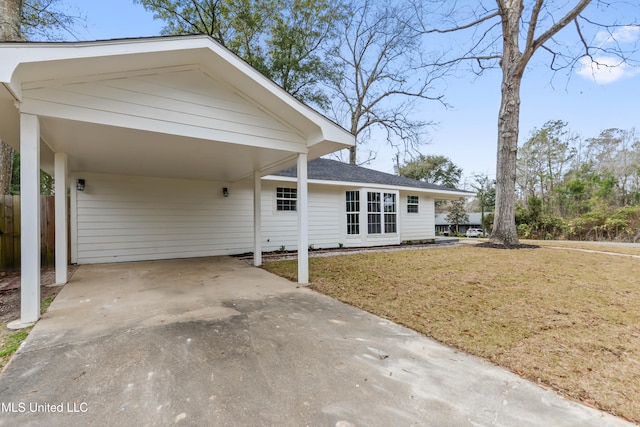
119, 106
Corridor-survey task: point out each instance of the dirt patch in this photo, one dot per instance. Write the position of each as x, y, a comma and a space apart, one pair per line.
10, 291
501, 246
10, 303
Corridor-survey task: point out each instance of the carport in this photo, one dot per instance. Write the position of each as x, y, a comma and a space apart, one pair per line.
176, 108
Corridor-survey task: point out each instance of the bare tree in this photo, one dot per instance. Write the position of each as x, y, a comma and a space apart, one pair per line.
495, 30
49, 20
383, 75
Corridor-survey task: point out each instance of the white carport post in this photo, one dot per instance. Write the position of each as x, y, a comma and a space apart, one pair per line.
303, 221
257, 219
30, 217
61, 218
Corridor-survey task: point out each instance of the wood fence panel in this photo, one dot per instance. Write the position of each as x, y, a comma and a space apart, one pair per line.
10, 232
6, 230
48, 231
17, 221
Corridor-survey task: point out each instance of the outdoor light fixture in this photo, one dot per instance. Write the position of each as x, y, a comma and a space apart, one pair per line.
80, 185
225, 192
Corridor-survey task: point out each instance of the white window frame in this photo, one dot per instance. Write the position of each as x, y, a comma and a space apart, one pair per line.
413, 201
390, 210
352, 208
374, 210
283, 194
382, 211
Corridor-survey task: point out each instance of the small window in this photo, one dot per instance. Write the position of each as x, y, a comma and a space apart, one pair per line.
390, 223
353, 212
286, 199
412, 204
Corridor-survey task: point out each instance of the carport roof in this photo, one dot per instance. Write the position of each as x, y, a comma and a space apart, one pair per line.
64, 84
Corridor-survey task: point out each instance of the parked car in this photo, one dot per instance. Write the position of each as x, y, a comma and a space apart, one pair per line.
475, 232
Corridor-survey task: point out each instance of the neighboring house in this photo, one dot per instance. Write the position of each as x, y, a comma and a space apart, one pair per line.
444, 226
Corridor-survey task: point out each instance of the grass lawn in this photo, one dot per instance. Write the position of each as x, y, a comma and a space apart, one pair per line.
566, 319
10, 340
591, 246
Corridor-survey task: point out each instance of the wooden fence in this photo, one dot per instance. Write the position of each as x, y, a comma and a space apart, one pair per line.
10, 232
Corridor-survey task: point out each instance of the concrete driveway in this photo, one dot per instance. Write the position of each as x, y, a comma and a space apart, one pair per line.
217, 342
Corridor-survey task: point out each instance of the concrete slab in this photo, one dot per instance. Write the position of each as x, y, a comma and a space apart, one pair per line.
217, 342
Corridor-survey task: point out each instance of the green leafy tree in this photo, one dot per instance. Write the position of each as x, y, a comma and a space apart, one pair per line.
47, 187
616, 153
486, 197
458, 213
433, 169
283, 39
543, 161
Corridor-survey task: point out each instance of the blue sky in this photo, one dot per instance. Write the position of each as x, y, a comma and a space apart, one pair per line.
466, 132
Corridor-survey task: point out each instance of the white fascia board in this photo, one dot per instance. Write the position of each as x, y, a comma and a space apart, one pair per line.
16, 53
24, 61
444, 194
315, 126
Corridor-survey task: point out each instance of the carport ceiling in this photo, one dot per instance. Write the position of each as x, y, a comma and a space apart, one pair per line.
109, 149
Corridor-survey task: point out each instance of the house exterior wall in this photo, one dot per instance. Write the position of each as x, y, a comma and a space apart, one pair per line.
326, 225
417, 226
327, 218
128, 218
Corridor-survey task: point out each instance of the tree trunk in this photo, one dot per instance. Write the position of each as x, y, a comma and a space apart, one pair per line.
512, 64
10, 17
10, 13
6, 167
504, 224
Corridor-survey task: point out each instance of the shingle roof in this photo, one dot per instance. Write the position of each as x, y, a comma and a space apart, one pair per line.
333, 170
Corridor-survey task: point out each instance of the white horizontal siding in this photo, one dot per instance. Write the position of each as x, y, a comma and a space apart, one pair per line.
281, 228
418, 226
184, 99
121, 218
327, 219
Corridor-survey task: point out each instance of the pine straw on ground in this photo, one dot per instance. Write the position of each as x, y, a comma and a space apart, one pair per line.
566, 319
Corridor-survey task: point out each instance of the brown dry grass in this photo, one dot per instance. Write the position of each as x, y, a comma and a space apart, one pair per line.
591, 246
567, 319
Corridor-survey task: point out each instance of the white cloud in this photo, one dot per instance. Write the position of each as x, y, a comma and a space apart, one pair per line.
605, 70
625, 34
